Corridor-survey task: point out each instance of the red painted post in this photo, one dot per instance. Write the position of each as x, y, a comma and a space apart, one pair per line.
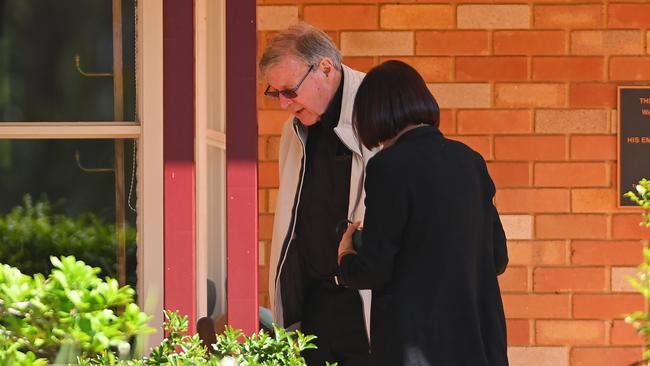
179, 191
241, 155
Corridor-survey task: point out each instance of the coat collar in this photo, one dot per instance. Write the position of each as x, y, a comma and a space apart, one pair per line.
426, 130
344, 129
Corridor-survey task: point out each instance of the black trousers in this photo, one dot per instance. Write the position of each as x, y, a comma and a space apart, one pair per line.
335, 315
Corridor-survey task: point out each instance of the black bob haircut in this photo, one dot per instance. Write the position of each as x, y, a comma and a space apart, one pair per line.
391, 97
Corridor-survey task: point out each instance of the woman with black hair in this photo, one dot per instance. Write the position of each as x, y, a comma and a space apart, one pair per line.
433, 243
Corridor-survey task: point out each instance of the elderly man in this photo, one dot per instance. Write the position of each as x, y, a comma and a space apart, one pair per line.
321, 187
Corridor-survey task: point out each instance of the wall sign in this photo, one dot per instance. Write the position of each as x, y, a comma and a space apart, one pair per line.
633, 139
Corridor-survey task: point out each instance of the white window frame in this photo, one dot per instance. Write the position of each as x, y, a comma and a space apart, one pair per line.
206, 136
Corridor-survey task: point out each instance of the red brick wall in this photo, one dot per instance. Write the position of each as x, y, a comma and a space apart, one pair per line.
532, 87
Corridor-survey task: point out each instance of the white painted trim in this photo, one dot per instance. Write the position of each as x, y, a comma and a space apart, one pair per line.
216, 139
201, 152
150, 163
70, 130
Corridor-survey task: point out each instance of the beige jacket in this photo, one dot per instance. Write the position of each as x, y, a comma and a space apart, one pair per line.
292, 150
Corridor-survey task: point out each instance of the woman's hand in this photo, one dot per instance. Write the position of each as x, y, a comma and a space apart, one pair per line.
345, 246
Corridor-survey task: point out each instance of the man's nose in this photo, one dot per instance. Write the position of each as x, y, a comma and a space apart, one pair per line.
285, 102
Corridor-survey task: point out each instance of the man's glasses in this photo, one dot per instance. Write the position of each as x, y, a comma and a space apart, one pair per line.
287, 93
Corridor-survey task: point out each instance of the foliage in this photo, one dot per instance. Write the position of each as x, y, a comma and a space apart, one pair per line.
34, 231
640, 320
642, 199
72, 311
232, 348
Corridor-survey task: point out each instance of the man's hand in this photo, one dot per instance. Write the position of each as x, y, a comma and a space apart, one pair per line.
345, 246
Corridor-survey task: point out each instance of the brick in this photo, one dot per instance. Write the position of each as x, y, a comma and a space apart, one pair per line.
452, 95
610, 42
493, 16
268, 175
610, 356
262, 257
447, 125
571, 175
265, 224
273, 199
647, 42
518, 332
342, 17
519, 306
276, 17
625, 334
271, 122
606, 253
628, 16
538, 356
528, 200
431, 68
568, 68
417, 17
629, 68
363, 64
548, 279
593, 200
480, 144
621, 279
627, 227
491, 121
506, 175
517, 226
514, 279
376, 43
262, 277
529, 42
539, 253
273, 148
592, 147
593, 95
452, 43
491, 68
606, 306
529, 147
530, 95
261, 148
568, 16
570, 226
262, 200
569, 332
578, 121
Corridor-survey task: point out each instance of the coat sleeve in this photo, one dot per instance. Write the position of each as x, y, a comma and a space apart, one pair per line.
386, 215
499, 247
499, 243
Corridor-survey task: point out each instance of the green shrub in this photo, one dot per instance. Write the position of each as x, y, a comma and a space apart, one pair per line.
232, 348
70, 312
640, 320
642, 198
34, 231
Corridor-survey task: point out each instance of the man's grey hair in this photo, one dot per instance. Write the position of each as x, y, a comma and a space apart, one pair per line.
303, 41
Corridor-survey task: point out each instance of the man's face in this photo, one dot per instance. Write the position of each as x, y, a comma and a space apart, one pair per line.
312, 96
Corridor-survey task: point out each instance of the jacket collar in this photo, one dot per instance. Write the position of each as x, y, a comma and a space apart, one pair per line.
344, 129
426, 130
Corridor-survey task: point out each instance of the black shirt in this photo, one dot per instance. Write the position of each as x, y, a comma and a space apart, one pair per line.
325, 194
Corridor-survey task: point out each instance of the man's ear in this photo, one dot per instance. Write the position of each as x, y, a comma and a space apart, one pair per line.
326, 65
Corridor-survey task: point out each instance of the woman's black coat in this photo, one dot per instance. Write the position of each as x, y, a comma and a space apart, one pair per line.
433, 246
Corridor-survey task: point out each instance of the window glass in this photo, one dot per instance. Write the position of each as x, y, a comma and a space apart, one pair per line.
53, 55
58, 197
216, 251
